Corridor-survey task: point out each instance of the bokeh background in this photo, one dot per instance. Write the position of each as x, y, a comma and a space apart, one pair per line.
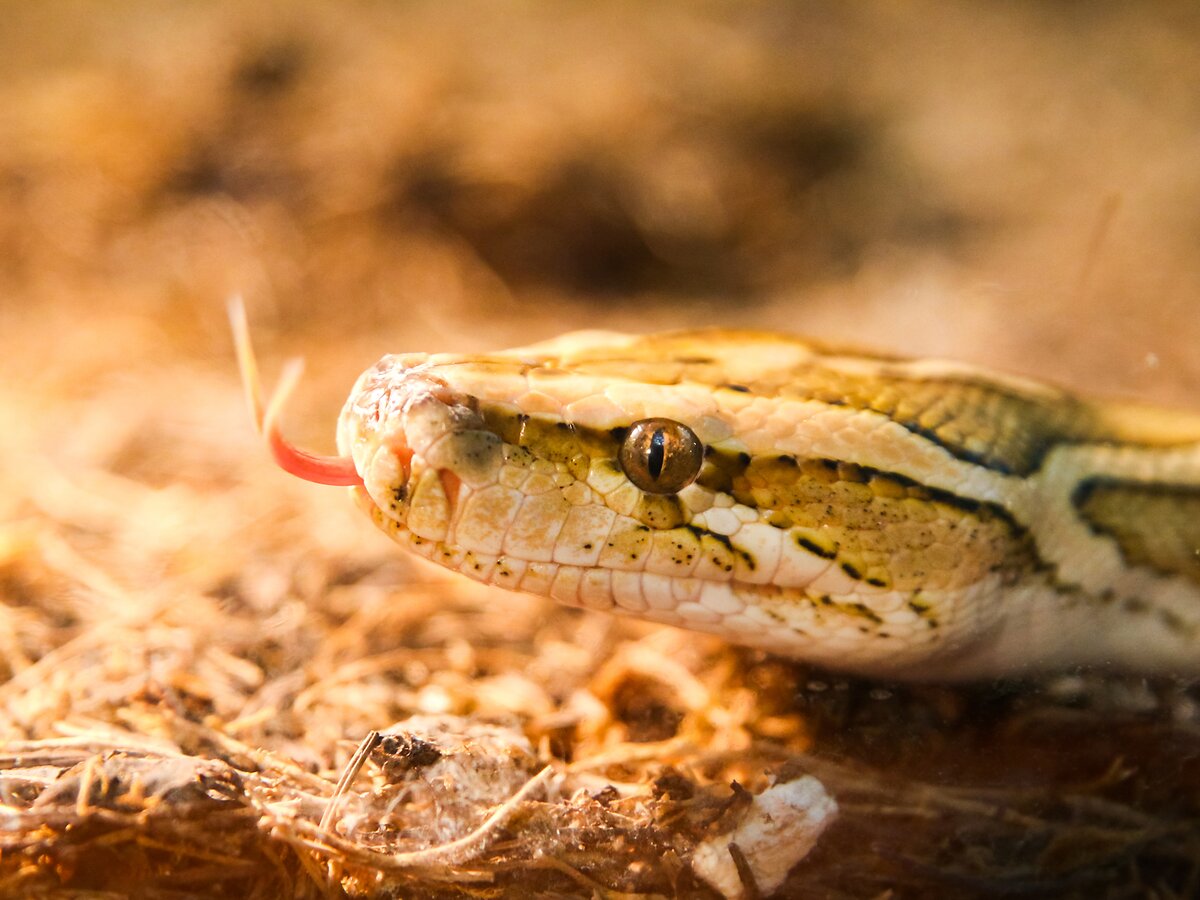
1016, 185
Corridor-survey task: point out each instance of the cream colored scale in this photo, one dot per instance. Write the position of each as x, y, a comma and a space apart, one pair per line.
912, 519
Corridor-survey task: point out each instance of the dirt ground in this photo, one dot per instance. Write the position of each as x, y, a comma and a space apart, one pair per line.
194, 645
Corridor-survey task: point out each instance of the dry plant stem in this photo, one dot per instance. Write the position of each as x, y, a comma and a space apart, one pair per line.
353, 767
264, 760
85, 787
247, 361
450, 854
332, 470
72, 748
317, 877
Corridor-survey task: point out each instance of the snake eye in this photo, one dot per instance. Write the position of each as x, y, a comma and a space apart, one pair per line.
661, 456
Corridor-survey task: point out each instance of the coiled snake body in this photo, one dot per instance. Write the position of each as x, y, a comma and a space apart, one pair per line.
911, 519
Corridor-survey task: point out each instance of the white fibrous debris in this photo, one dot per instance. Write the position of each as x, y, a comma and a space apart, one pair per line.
778, 830
459, 767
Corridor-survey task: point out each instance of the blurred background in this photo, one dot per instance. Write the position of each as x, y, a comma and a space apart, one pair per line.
1016, 185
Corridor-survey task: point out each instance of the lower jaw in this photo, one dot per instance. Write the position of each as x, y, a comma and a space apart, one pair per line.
384, 522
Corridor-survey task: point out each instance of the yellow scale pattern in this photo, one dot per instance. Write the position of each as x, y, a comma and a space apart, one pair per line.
1155, 525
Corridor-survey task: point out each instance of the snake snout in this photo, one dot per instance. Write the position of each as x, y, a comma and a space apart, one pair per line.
405, 426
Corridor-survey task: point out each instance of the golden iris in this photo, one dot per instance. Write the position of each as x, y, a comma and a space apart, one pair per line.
661, 456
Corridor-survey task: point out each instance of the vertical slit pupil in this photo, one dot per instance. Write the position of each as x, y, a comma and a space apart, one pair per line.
658, 452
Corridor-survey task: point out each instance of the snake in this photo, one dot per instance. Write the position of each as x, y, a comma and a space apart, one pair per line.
911, 519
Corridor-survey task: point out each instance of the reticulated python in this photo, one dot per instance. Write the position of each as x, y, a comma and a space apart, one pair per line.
914, 519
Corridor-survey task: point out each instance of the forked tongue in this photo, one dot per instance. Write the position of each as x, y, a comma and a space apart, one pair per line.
336, 470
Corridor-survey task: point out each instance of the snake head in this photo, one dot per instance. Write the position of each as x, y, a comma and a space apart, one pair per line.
530, 471
712, 480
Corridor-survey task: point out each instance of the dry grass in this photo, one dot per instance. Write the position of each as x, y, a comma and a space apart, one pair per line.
193, 647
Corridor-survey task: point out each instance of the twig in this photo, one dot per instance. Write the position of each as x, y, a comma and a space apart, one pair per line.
353, 767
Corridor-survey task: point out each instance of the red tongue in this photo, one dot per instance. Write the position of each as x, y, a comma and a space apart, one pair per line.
336, 470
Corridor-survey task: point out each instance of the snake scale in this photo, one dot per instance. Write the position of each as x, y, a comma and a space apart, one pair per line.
912, 519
